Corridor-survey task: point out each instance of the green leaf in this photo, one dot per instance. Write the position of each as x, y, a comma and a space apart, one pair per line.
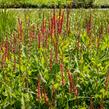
55, 69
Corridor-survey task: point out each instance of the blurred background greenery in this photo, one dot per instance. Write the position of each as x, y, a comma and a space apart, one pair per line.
49, 3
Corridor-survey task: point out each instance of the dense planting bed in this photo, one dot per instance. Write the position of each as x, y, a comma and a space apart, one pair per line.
54, 59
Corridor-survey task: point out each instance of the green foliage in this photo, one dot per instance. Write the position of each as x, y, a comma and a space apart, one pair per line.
7, 23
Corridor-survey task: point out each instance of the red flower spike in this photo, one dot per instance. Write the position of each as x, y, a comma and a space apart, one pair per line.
91, 103
89, 26
32, 33
20, 29
38, 90
51, 56
60, 22
39, 40
62, 74
71, 82
68, 21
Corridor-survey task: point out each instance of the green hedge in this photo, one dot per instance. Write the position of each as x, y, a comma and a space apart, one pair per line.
51, 3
